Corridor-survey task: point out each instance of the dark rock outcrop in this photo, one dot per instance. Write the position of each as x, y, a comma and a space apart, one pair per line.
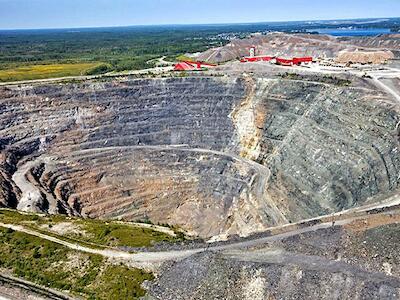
329, 264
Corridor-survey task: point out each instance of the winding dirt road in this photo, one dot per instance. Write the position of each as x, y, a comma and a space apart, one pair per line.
387, 89
156, 258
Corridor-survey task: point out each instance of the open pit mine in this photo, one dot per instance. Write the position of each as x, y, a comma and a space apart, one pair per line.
219, 157
215, 156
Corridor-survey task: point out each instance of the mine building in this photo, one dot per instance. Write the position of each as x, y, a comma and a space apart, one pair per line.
302, 60
256, 58
284, 62
192, 66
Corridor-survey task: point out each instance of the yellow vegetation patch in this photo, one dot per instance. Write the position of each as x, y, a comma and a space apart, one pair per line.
184, 58
45, 71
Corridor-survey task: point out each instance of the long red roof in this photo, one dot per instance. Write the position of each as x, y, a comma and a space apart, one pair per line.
256, 58
191, 65
298, 60
279, 60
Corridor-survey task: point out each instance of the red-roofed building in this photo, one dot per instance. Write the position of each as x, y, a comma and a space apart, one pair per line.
192, 66
284, 62
184, 66
300, 60
256, 58
278, 60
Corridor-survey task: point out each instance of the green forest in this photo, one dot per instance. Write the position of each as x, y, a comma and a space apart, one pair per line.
91, 51
107, 49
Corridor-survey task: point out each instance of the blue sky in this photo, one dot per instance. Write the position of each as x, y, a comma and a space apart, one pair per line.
15, 14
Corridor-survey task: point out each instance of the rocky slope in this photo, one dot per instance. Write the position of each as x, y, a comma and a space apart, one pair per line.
385, 41
292, 45
358, 261
216, 156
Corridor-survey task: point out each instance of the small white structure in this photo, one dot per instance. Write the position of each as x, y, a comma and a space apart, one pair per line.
252, 51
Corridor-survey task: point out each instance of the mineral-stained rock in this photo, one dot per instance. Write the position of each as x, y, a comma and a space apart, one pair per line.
216, 156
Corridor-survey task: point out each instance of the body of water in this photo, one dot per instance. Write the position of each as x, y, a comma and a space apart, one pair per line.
352, 31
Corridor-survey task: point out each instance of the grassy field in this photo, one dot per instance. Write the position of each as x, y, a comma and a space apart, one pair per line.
46, 71
58, 267
184, 58
90, 232
87, 275
120, 49
111, 234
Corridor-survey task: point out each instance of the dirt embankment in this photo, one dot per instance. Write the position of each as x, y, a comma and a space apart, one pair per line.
364, 57
293, 45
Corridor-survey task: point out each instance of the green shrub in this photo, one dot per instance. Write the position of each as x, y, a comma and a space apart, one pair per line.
48, 264
100, 69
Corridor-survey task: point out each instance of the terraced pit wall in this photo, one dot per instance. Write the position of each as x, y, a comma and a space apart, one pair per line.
216, 156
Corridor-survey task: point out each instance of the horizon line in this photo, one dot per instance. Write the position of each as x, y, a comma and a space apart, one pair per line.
196, 24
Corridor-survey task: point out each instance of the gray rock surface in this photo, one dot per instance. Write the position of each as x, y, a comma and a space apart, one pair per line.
216, 156
327, 264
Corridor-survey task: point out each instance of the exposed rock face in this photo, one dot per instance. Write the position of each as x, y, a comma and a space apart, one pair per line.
390, 42
283, 277
326, 264
217, 156
328, 148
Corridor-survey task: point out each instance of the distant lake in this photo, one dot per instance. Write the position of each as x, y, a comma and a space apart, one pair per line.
352, 31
